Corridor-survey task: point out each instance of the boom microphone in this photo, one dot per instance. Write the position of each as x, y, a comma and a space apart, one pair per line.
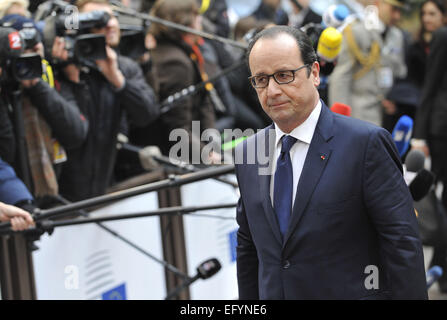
341, 108
415, 160
205, 270
402, 134
421, 184
208, 269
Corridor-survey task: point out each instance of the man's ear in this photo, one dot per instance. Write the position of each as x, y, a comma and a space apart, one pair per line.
315, 73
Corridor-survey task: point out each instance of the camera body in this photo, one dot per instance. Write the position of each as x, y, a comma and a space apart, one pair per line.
15, 64
132, 42
30, 35
82, 46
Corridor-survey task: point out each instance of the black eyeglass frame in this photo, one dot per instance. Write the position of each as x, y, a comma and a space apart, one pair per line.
273, 76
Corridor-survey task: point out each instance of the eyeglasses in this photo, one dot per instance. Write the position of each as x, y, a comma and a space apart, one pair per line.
281, 77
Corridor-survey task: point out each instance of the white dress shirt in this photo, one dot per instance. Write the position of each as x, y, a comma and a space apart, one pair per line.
303, 133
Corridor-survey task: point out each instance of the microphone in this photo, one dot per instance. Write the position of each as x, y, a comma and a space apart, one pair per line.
402, 134
335, 15
421, 184
208, 269
329, 44
432, 275
205, 270
415, 160
341, 108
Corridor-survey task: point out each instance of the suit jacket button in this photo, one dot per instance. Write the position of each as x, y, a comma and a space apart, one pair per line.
286, 264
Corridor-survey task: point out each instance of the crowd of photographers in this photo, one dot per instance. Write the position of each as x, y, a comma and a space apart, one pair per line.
65, 95
76, 75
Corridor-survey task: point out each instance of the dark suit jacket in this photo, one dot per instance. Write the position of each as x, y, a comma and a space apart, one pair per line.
352, 210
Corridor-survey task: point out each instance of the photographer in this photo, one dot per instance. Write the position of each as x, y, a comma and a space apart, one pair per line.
179, 64
51, 123
107, 91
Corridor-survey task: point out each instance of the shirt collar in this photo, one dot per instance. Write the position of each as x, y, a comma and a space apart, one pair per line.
305, 131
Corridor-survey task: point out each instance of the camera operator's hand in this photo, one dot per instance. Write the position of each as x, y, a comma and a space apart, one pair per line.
38, 48
110, 70
20, 219
59, 52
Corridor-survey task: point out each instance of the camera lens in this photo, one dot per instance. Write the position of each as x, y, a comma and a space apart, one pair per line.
27, 66
22, 69
85, 49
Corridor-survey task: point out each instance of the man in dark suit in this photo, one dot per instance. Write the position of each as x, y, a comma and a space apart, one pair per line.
336, 219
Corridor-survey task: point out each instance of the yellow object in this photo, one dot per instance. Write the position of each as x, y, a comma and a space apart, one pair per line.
329, 44
205, 5
47, 74
59, 154
367, 62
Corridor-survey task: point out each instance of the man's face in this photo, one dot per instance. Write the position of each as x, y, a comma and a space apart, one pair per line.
112, 30
288, 105
389, 14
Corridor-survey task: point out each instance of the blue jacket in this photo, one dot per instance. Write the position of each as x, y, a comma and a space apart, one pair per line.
12, 189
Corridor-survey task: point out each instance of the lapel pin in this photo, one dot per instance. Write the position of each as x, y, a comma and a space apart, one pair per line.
323, 157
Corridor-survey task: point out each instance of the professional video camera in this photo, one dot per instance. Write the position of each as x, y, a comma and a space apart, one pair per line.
30, 35
82, 46
132, 42
133, 32
15, 64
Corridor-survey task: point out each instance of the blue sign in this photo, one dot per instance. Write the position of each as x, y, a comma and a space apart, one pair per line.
233, 243
118, 293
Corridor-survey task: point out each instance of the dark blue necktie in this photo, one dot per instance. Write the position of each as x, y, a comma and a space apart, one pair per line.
283, 187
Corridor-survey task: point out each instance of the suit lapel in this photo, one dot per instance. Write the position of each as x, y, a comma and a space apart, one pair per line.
264, 187
317, 158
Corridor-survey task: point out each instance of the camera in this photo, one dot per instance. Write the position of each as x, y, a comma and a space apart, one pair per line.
15, 64
82, 46
30, 35
132, 43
